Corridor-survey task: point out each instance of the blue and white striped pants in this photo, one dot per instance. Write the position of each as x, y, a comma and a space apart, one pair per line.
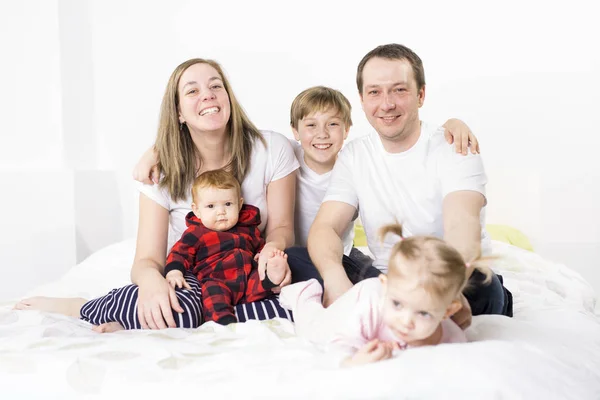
120, 305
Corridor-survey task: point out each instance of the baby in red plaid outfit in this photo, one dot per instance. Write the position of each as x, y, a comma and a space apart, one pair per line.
221, 246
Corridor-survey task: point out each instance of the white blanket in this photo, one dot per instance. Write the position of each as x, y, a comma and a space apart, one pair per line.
549, 350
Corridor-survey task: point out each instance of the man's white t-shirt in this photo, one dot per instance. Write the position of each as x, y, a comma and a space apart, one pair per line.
310, 191
268, 164
407, 187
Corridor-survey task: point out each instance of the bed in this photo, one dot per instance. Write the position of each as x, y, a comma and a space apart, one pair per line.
549, 350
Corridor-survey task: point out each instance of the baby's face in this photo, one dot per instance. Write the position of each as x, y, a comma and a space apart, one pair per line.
410, 311
218, 209
321, 135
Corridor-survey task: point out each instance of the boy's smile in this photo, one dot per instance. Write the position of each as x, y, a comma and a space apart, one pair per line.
321, 135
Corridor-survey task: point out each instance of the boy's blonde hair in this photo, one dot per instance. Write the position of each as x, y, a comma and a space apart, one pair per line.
438, 267
320, 98
218, 179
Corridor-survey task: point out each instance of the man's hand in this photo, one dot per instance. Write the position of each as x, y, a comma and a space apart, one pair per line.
463, 316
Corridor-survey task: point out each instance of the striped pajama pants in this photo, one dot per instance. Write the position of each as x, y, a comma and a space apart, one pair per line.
120, 305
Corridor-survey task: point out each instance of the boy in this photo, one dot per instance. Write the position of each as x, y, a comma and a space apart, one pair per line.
320, 118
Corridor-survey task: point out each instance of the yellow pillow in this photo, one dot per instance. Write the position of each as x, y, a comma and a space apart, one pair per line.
510, 235
503, 233
360, 239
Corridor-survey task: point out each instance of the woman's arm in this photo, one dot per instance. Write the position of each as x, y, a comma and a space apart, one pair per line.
156, 296
281, 196
279, 234
151, 246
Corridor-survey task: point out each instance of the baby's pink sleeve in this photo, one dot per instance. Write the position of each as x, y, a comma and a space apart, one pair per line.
452, 332
363, 319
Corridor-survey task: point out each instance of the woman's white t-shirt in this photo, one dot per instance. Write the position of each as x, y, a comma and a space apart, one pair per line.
268, 164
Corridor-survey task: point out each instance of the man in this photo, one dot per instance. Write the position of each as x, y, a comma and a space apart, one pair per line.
404, 172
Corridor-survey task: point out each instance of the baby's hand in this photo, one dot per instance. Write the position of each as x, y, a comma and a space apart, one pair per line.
391, 346
371, 352
176, 280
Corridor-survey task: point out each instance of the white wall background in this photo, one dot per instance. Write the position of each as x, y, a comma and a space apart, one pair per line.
81, 85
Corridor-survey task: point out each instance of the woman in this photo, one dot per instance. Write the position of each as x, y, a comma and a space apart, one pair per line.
202, 127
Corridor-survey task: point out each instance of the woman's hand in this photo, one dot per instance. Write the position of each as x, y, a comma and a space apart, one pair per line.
156, 302
458, 132
146, 170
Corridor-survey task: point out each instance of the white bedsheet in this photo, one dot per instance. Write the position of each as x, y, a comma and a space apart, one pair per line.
549, 350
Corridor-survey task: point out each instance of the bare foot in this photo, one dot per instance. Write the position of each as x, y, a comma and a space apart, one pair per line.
69, 306
108, 327
277, 266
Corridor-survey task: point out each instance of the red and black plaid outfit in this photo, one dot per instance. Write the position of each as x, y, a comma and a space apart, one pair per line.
223, 262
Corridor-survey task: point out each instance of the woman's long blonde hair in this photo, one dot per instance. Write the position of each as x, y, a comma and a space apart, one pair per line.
175, 149
438, 267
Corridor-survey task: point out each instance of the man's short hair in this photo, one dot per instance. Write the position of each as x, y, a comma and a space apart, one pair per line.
393, 51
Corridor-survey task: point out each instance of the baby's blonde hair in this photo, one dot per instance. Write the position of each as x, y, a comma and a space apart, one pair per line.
438, 267
218, 179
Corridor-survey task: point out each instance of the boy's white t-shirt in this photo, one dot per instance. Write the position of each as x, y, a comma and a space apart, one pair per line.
268, 164
407, 187
310, 191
